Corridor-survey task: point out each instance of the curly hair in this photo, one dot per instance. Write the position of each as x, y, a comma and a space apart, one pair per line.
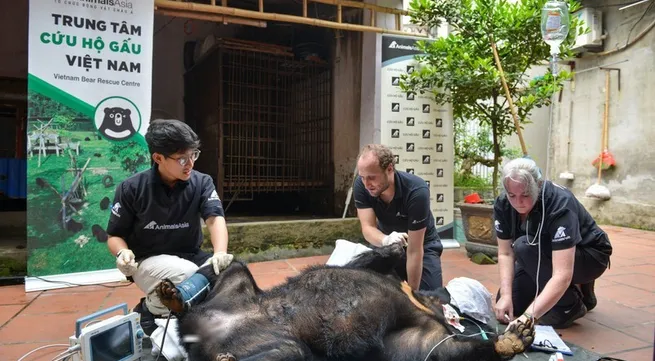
381, 152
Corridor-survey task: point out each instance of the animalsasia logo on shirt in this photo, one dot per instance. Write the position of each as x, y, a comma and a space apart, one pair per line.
115, 209
213, 197
560, 235
155, 226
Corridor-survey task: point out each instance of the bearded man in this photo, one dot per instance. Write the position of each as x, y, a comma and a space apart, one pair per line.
394, 206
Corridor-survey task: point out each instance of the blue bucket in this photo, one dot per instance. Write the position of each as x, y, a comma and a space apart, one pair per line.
13, 177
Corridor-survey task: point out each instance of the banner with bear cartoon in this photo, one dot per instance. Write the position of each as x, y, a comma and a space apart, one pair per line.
89, 99
419, 132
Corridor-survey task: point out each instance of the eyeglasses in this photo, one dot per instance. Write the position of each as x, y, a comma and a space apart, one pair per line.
185, 159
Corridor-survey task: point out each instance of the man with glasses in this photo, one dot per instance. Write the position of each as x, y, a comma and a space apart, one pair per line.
154, 227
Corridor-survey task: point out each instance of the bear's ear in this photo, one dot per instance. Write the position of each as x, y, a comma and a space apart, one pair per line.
127, 111
107, 110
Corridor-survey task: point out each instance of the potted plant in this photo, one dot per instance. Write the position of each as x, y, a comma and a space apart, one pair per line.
461, 69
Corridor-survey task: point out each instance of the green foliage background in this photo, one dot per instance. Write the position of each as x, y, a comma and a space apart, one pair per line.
460, 68
52, 249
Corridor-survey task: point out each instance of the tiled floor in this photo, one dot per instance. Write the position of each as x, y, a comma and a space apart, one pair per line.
622, 325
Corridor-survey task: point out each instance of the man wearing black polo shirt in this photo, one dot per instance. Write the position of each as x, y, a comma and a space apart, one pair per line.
400, 202
545, 237
154, 227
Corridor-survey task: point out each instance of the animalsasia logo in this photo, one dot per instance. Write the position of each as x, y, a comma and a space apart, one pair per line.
115, 208
561, 235
213, 197
395, 45
155, 226
117, 3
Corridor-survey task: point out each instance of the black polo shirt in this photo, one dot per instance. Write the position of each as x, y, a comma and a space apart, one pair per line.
154, 218
567, 222
409, 209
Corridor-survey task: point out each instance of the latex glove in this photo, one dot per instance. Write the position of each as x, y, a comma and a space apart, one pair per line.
220, 260
125, 262
395, 237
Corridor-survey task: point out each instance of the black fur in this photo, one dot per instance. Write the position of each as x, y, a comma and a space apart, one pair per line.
355, 312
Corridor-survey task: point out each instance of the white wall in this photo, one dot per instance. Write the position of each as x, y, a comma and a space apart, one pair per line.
631, 114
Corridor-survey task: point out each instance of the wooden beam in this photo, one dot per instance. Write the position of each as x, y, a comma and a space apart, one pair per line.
339, 16
261, 6
304, 8
213, 17
256, 15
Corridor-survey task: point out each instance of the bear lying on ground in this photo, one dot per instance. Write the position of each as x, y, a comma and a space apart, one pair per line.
360, 311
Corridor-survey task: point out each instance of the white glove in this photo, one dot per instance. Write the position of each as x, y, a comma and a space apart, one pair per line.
125, 262
395, 237
220, 260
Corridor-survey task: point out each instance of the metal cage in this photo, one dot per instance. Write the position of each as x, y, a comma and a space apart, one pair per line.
264, 118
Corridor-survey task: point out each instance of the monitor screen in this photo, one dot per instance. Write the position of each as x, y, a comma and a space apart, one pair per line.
112, 344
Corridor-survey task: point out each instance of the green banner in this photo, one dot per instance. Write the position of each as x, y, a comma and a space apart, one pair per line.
89, 100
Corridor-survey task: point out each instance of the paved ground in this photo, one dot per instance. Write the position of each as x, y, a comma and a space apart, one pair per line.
622, 325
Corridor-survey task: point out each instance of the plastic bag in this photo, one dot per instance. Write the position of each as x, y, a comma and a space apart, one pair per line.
472, 298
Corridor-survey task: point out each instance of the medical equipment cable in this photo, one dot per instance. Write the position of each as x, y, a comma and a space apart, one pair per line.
163, 337
446, 338
46, 346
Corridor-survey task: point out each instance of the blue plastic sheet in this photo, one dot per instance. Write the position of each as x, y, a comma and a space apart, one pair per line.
13, 177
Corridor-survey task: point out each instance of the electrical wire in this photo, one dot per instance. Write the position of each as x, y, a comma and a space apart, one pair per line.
80, 284
449, 337
42, 347
650, 6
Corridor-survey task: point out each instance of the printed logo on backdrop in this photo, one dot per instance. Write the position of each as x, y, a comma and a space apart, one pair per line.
439, 221
440, 197
426, 108
395, 133
410, 170
426, 133
439, 172
123, 6
409, 147
428, 183
439, 148
426, 159
117, 118
410, 69
410, 96
438, 123
395, 81
396, 159
410, 121
395, 107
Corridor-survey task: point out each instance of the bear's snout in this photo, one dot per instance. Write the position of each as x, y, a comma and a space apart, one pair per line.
118, 119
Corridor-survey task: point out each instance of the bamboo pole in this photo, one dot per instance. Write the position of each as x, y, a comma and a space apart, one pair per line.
304, 8
261, 6
249, 14
360, 5
508, 96
214, 18
339, 15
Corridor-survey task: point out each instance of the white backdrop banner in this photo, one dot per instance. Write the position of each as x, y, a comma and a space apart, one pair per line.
419, 132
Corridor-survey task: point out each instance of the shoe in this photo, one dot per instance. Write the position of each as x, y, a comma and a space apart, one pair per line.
563, 318
147, 318
588, 295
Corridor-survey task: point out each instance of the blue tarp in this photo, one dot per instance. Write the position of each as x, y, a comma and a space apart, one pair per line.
13, 177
